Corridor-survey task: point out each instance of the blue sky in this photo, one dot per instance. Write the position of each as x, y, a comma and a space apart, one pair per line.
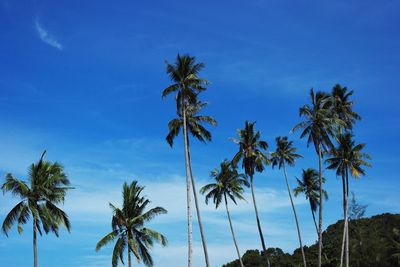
83, 80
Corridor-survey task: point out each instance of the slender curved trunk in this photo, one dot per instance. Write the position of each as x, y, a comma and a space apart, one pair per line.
233, 233
320, 206
347, 218
316, 228
189, 210
315, 222
196, 202
35, 256
258, 221
129, 259
344, 219
295, 216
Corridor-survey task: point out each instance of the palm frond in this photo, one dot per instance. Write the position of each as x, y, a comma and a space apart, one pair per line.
13, 216
106, 239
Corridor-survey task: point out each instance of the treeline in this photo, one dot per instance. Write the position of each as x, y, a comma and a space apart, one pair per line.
374, 242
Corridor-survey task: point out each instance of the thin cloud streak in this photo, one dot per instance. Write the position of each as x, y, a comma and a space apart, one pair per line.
46, 37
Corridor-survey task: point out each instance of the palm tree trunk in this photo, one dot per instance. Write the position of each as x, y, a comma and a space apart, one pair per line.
344, 220
320, 206
258, 221
295, 217
316, 228
233, 233
35, 256
347, 219
188, 200
196, 202
315, 223
129, 259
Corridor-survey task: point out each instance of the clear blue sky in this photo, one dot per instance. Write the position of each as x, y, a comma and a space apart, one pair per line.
83, 79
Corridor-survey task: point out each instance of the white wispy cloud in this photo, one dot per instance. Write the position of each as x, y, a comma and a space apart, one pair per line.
46, 37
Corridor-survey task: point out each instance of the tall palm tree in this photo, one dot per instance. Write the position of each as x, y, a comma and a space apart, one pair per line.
319, 126
347, 157
48, 188
343, 106
187, 85
128, 227
253, 159
309, 185
284, 154
228, 182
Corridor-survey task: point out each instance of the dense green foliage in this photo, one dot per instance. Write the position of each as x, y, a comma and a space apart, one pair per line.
373, 242
129, 230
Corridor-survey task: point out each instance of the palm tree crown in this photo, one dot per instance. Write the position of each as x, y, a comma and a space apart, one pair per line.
48, 187
320, 123
285, 153
343, 106
186, 83
128, 227
348, 157
194, 123
228, 182
309, 185
250, 150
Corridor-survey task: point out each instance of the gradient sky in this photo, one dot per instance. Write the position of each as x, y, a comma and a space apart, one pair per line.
83, 79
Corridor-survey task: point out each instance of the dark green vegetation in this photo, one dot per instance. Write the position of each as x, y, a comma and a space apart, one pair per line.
373, 242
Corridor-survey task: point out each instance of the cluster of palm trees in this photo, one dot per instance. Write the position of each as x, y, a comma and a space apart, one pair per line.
327, 124
47, 187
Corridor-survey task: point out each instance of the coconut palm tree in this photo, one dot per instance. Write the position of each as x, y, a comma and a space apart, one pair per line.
284, 154
48, 188
347, 157
343, 106
309, 185
319, 126
128, 227
187, 85
253, 159
228, 182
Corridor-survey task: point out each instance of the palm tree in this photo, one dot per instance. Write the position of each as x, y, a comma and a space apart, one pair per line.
128, 227
343, 106
187, 85
228, 182
284, 154
309, 185
48, 188
343, 109
253, 159
319, 125
348, 156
